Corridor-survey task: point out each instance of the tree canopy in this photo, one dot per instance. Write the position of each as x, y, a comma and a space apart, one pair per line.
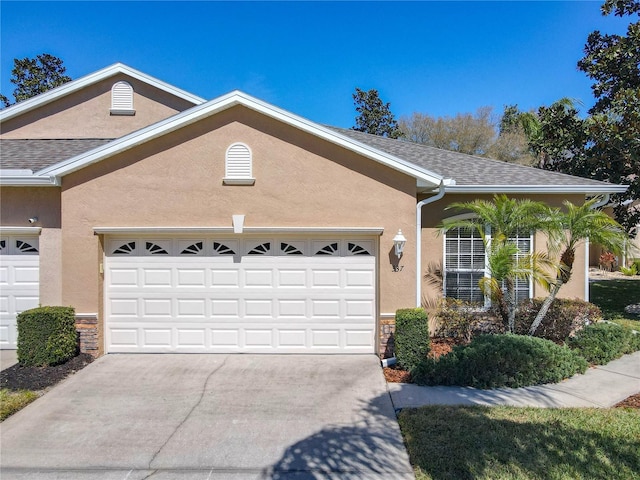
33, 76
374, 116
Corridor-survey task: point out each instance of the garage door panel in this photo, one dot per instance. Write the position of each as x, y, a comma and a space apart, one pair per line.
278, 297
192, 307
156, 277
225, 278
191, 277
157, 307
190, 337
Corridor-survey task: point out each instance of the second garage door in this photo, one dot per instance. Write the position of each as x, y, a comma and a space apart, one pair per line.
279, 295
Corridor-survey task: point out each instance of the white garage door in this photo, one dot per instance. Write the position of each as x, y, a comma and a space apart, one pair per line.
280, 295
19, 283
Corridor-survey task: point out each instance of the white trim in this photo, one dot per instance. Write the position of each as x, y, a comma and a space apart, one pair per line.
122, 113
586, 269
387, 315
225, 102
20, 230
584, 189
368, 231
75, 85
239, 181
29, 181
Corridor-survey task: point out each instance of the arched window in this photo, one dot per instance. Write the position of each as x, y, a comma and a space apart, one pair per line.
122, 99
238, 165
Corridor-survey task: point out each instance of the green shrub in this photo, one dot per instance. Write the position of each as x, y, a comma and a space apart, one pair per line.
506, 360
564, 318
630, 271
46, 336
412, 341
603, 342
464, 320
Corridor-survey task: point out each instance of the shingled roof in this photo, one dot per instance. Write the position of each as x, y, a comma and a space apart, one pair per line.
36, 154
466, 170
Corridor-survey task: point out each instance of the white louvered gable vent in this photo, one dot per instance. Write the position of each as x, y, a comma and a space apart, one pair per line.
122, 99
238, 165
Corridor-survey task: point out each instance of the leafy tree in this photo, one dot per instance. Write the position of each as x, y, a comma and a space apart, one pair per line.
374, 116
613, 153
567, 230
464, 133
558, 138
33, 76
506, 218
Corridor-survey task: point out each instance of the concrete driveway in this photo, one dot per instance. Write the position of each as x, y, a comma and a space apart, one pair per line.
210, 417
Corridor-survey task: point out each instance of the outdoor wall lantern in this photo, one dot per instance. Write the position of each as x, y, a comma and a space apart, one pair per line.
399, 242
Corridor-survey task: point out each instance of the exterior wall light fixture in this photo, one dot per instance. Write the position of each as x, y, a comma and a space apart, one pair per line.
399, 241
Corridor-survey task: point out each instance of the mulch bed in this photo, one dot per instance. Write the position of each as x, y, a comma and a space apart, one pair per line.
40, 378
631, 402
439, 346
442, 346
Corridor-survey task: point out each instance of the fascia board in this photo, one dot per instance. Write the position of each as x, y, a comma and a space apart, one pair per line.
90, 79
586, 189
29, 181
222, 103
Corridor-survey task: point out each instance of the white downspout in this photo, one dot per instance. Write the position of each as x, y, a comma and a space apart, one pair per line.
599, 204
419, 206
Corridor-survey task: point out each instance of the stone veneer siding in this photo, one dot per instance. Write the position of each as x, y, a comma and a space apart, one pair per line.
87, 328
386, 337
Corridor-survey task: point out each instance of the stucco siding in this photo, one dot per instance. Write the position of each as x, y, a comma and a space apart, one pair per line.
177, 181
17, 205
86, 113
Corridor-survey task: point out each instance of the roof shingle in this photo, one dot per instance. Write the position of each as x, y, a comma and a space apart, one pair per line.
465, 169
36, 154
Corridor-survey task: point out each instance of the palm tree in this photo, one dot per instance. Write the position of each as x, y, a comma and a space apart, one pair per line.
570, 228
506, 218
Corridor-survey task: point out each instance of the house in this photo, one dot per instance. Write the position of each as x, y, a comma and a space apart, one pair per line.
175, 224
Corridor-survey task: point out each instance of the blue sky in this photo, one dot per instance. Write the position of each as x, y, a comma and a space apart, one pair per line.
439, 58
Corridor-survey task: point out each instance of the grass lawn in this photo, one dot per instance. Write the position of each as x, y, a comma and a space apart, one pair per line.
522, 443
12, 401
612, 296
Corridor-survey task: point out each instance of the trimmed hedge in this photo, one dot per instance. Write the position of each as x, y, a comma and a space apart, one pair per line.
564, 318
506, 360
602, 342
412, 342
46, 336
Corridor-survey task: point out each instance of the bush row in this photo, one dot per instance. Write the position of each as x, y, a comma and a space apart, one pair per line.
506, 360
603, 342
464, 320
572, 341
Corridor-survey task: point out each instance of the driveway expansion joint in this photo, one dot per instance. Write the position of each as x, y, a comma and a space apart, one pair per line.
198, 402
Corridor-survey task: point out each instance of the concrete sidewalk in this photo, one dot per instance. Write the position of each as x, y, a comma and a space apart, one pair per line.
601, 386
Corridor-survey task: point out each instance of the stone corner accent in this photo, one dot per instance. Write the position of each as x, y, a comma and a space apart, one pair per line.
87, 328
386, 337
